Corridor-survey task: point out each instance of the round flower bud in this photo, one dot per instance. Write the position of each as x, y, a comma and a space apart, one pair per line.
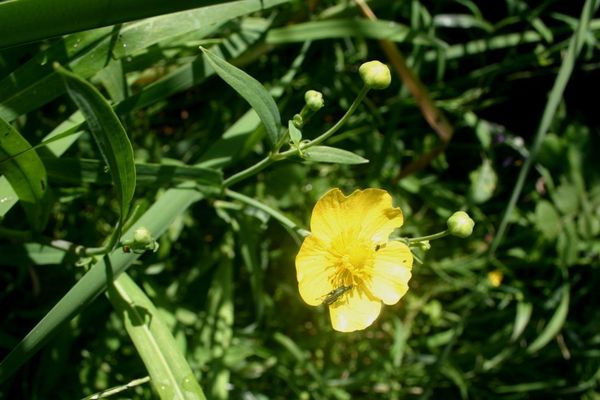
460, 224
142, 238
314, 100
375, 74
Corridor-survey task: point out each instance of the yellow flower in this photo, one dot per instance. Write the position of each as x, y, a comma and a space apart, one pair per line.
347, 260
495, 277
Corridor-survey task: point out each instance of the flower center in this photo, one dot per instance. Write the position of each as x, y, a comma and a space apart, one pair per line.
353, 261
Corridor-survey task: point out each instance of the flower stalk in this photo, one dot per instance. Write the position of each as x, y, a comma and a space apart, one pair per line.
277, 156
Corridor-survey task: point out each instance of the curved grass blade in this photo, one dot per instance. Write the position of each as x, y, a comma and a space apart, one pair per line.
522, 318
170, 373
110, 135
157, 219
555, 324
26, 174
252, 91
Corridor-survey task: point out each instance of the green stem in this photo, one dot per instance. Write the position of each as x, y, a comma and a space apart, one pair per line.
273, 157
361, 95
285, 221
80, 251
26, 236
256, 168
428, 237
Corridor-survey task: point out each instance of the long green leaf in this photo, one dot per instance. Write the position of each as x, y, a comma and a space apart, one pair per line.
79, 171
28, 20
110, 135
170, 373
157, 219
253, 92
343, 28
26, 174
227, 148
35, 83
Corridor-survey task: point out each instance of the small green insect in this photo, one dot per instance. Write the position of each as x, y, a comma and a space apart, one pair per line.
335, 294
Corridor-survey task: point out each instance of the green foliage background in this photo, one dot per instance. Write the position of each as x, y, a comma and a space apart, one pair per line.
223, 279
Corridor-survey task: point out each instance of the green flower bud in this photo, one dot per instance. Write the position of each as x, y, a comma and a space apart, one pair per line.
460, 224
298, 121
375, 74
424, 245
314, 100
142, 240
142, 236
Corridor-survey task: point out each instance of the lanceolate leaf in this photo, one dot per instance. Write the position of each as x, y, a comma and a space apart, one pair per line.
26, 174
332, 155
109, 134
250, 89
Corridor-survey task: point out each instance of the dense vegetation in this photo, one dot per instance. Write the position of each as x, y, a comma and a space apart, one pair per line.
490, 111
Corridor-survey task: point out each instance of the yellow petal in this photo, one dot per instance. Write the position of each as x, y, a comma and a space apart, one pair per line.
314, 276
354, 311
365, 214
377, 216
391, 272
327, 219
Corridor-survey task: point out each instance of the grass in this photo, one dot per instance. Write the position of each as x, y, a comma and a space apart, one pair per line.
509, 312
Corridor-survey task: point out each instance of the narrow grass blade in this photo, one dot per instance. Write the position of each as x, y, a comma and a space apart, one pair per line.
522, 318
79, 171
26, 174
26, 20
170, 373
110, 135
253, 92
343, 28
